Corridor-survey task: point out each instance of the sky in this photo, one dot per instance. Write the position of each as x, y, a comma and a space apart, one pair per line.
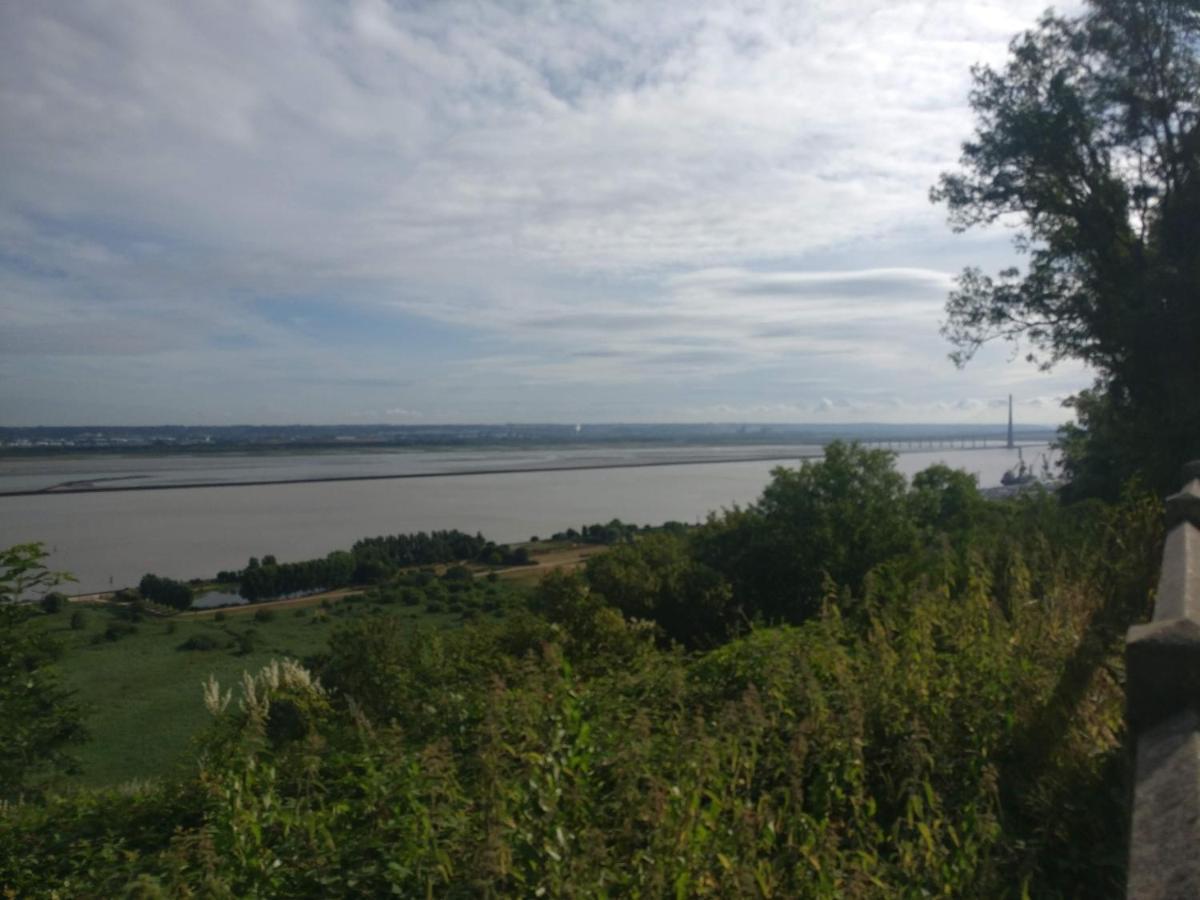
345, 212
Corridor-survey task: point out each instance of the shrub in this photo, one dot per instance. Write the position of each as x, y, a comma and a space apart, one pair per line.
264, 615
200, 642
78, 620
245, 642
53, 602
117, 630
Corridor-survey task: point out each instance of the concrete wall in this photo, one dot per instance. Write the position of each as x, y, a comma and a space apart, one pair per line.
1163, 696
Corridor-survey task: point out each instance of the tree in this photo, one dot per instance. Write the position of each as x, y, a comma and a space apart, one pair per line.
657, 579
833, 519
40, 718
1090, 138
165, 591
23, 571
946, 499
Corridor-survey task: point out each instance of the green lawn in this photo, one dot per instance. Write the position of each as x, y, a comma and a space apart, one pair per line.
143, 694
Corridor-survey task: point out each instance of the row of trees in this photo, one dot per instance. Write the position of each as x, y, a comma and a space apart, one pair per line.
420, 549
273, 579
614, 532
166, 591
370, 561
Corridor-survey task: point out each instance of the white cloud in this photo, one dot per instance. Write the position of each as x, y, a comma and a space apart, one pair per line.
610, 193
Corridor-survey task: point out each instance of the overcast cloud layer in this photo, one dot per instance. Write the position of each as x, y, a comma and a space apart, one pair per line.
421, 212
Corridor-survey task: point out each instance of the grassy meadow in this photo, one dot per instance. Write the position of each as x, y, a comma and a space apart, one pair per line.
141, 689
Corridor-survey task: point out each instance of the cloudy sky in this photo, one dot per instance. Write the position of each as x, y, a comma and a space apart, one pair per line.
286, 211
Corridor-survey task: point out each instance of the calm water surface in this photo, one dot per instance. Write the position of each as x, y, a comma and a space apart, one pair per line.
112, 539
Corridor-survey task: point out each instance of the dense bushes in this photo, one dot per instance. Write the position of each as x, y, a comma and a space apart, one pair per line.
41, 720
271, 579
370, 561
947, 721
165, 591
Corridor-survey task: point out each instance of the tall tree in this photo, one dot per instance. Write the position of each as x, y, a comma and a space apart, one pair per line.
1089, 138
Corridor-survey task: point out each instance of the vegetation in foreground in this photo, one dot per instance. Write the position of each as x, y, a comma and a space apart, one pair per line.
937, 712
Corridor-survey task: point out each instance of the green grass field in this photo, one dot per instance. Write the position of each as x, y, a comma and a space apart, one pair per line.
142, 694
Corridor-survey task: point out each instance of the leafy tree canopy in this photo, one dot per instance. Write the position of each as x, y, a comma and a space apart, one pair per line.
40, 719
1089, 139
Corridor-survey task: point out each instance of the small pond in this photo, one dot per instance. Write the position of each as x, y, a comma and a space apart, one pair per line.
213, 599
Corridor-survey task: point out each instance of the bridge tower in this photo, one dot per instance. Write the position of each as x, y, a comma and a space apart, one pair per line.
1011, 445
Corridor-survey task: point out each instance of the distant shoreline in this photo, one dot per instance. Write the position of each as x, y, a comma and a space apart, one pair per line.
93, 487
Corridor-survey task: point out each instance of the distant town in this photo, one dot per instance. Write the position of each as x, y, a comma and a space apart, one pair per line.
189, 438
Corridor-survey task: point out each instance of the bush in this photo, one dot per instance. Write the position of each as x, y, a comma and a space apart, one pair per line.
264, 615
202, 642
117, 630
245, 642
78, 620
220, 616
53, 602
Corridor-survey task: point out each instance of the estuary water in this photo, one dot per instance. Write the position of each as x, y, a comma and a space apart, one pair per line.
109, 539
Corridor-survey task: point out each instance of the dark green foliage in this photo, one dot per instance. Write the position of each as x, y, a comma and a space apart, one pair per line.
272, 579
40, 720
117, 630
458, 573
23, 572
245, 642
614, 532
829, 521
939, 743
946, 500
165, 591
374, 561
78, 620
656, 578
948, 722
53, 602
1090, 135
266, 615
202, 642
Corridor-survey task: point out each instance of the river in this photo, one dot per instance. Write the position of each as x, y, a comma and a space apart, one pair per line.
109, 539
